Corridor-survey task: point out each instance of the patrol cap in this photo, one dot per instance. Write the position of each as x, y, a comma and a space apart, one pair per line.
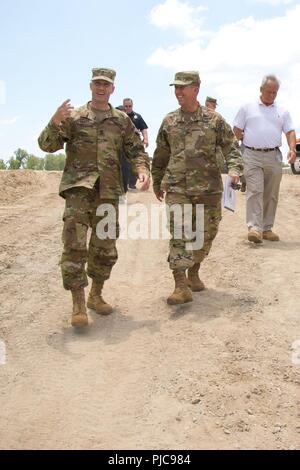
103, 74
211, 100
186, 78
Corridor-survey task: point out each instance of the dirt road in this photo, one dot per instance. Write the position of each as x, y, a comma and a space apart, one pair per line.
218, 373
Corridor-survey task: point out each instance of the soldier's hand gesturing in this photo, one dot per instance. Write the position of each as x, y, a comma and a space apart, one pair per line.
62, 112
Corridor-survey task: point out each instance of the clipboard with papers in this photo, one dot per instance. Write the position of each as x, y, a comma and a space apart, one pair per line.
229, 196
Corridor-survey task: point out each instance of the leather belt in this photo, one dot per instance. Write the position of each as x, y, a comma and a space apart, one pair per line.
262, 150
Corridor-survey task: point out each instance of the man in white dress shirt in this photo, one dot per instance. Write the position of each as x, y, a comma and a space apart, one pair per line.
259, 126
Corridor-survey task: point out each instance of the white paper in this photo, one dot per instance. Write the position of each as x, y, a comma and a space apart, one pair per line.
229, 196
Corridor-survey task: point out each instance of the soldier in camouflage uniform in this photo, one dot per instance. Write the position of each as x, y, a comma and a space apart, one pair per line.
185, 168
95, 135
211, 103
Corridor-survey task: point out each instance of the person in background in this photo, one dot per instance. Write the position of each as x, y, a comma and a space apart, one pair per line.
140, 124
126, 168
259, 125
211, 103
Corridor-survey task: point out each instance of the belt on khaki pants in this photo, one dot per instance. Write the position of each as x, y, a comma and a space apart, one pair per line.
262, 150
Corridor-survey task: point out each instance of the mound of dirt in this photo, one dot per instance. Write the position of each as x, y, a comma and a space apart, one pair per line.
15, 184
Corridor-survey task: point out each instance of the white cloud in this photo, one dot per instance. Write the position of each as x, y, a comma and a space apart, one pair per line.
276, 2
9, 122
178, 15
249, 42
237, 56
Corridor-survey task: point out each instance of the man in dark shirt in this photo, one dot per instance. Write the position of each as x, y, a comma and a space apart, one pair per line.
140, 124
125, 167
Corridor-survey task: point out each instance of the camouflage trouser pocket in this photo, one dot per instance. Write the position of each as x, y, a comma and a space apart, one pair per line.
74, 235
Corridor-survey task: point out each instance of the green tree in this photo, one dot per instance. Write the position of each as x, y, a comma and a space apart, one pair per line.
55, 161
21, 157
2, 164
19, 160
34, 163
13, 164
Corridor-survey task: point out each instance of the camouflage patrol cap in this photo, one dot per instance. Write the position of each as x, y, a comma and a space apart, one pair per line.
186, 78
103, 74
211, 100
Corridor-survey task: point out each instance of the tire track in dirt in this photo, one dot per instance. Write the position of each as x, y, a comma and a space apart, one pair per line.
213, 374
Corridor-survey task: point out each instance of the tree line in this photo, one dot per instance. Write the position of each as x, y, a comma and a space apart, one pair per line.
24, 160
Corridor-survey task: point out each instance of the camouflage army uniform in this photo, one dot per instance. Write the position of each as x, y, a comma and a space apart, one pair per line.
92, 176
185, 166
220, 160
211, 103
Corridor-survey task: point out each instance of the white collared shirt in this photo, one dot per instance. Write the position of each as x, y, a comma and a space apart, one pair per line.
263, 125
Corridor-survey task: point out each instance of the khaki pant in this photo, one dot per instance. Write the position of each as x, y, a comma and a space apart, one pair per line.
101, 254
263, 173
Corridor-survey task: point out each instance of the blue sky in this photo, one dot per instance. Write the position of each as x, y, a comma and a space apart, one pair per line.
49, 48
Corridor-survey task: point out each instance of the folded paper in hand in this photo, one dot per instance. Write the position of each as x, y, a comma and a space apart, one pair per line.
229, 196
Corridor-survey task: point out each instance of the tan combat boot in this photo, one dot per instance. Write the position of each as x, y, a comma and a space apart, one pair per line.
79, 316
271, 236
255, 236
182, 293
193, 280
95, 300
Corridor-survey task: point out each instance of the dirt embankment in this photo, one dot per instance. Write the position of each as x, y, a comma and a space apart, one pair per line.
218, 373
16, 184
